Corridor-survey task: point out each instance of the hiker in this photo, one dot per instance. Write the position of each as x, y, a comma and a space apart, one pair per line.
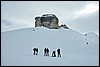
47, 52
54, 54
36, 51
58, 51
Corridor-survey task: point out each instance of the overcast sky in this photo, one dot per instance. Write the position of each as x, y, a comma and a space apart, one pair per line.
81, 16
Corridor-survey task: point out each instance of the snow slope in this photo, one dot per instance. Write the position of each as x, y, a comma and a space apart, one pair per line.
16, 48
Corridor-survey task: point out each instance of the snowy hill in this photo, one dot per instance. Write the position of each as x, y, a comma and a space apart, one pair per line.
16, 47
91, 36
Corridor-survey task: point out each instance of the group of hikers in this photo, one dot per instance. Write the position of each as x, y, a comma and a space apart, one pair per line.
46, 52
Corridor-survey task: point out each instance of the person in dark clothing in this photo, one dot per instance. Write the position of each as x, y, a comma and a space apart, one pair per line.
54, 54
36, 51
47, 52
58, 51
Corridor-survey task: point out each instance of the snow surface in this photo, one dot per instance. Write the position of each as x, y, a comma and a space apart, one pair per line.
16, 47
92, 37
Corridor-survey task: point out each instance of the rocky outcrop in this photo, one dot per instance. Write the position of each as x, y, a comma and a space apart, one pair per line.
47, 20
50, 21
64, 26
38, 22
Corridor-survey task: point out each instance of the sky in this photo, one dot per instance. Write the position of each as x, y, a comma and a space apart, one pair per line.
81, 16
